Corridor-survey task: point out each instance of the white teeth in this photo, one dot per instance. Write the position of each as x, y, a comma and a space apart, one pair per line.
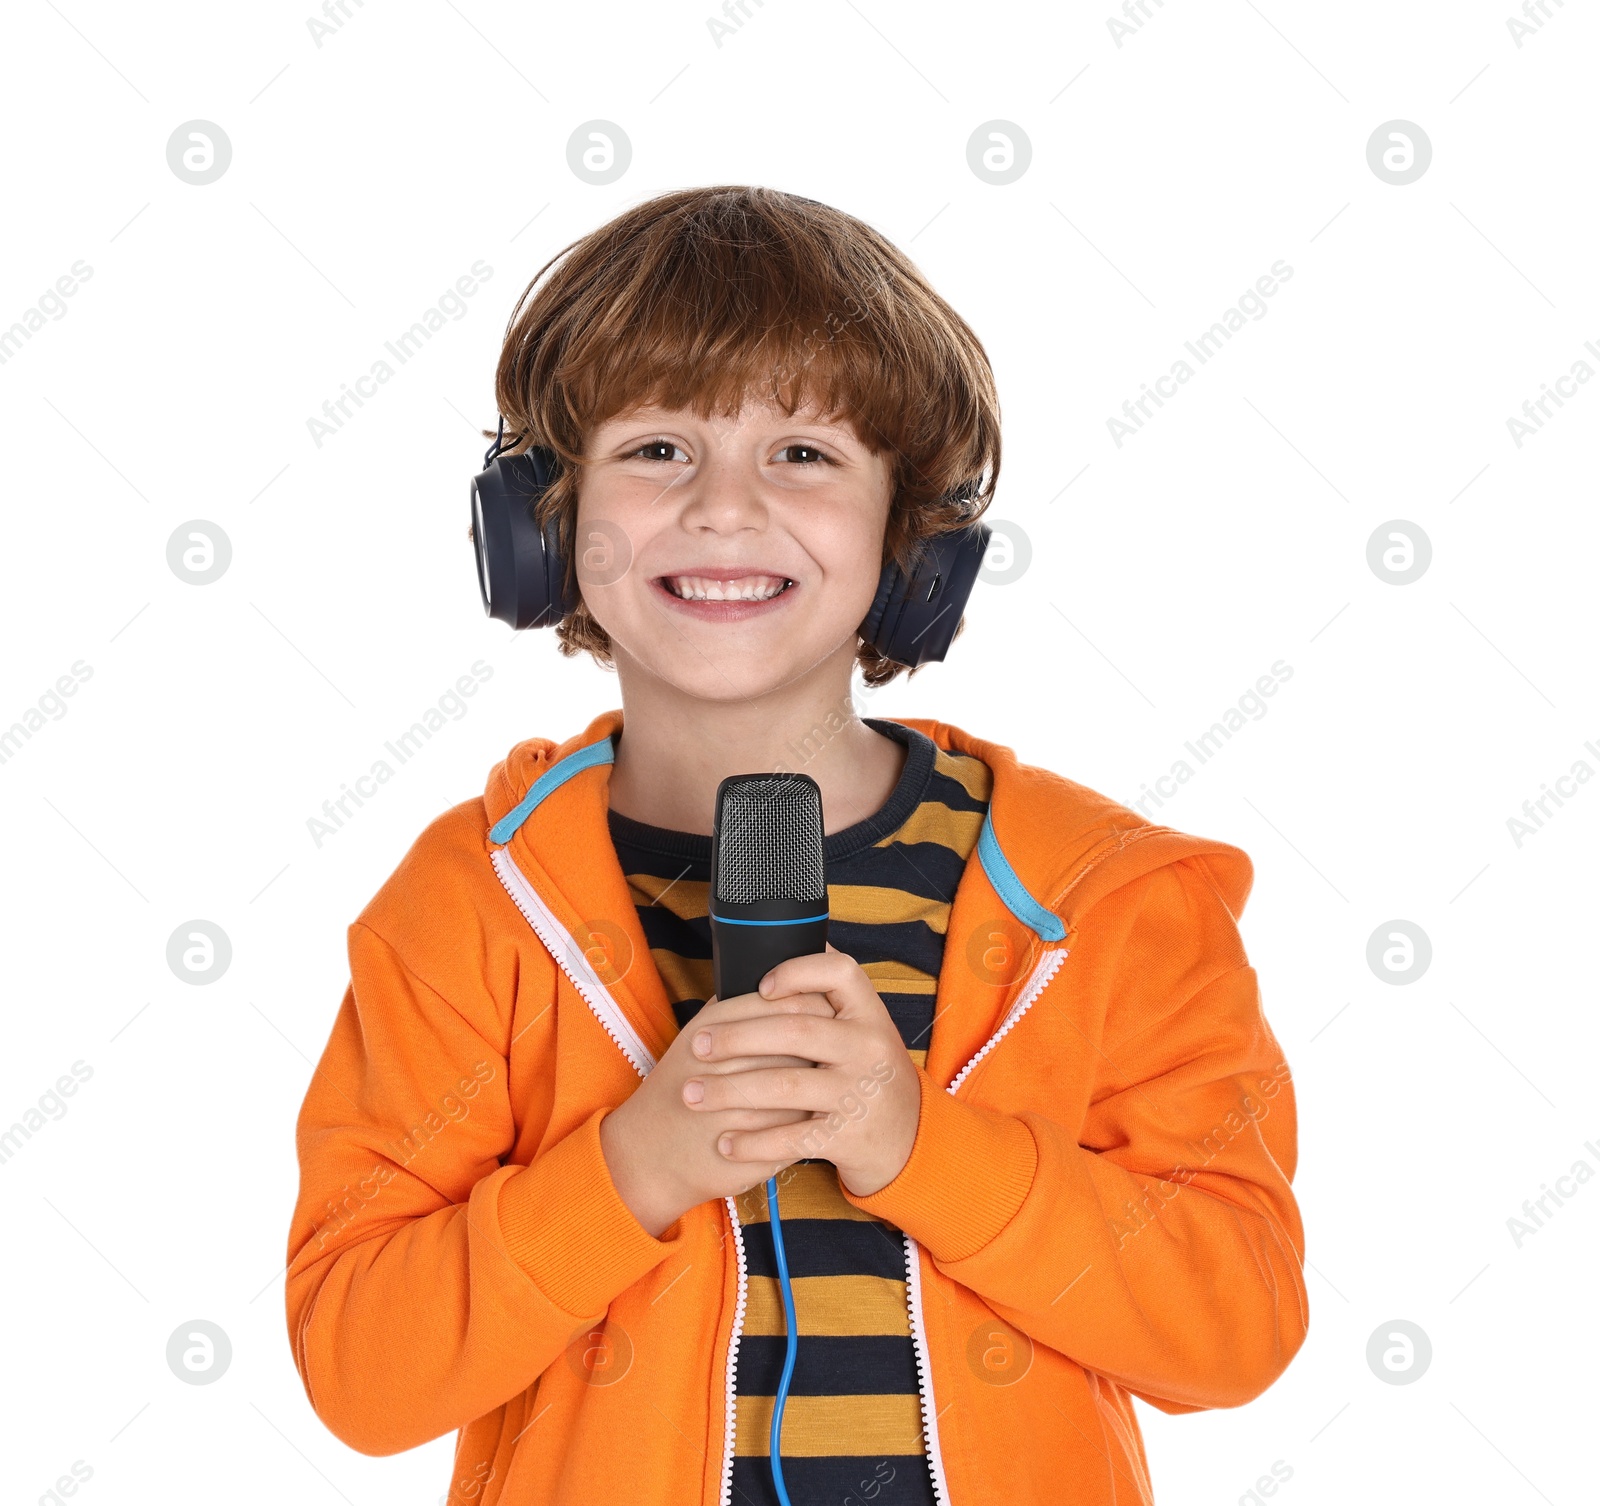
747, 588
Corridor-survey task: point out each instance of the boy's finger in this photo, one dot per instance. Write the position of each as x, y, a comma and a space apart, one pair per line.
750, 1063
780, 1146
830, 972
819, 1038
763, 1088
745, 1006
761, 1119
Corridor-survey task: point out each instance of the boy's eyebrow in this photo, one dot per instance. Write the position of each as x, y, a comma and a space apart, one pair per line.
646, 418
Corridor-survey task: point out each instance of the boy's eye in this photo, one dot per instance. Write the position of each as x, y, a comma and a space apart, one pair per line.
666, 450
810, 450
652, 450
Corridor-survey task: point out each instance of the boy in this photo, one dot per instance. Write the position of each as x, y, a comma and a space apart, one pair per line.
1033, 1134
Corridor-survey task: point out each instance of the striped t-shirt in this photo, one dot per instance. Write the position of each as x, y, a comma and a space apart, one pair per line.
852, 1424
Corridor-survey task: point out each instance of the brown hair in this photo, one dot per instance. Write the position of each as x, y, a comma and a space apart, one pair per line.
699, 298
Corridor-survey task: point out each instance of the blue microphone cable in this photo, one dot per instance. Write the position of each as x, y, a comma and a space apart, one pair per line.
792, 1329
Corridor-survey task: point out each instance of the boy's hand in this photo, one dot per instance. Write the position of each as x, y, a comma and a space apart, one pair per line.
662, 1154
862, 1100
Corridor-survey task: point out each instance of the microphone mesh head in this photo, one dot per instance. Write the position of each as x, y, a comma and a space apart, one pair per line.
769, 840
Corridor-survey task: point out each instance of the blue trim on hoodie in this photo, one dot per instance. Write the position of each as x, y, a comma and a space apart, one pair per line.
1014, 894
548, 783
1044, 923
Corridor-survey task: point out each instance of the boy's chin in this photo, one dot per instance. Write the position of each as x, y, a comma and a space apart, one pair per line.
731, 678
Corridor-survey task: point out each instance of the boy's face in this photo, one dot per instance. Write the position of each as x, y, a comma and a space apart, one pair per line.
685, 524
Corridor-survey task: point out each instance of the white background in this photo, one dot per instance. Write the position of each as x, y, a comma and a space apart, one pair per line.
1167, 574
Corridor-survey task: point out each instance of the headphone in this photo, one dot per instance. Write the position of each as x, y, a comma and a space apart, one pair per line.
522, 568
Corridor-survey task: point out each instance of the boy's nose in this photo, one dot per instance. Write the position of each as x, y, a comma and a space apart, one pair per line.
725, 494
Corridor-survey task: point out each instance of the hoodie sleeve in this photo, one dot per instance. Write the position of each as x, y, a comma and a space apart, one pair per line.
1145, 1226
428, 1283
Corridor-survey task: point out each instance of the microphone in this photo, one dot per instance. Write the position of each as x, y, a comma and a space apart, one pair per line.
768, 902
768, 898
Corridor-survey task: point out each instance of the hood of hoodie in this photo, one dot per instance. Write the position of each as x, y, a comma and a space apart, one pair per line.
1050, 848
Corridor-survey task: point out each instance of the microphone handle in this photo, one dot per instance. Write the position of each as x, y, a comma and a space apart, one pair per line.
745, 945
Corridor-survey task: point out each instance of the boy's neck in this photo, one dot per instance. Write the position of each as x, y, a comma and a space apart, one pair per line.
674, 751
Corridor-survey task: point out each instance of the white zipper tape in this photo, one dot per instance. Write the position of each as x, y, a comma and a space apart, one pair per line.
919, 1341
731, 1399
569, 956
1044, 970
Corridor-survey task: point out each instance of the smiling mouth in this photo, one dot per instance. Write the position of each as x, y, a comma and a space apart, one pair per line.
752, 588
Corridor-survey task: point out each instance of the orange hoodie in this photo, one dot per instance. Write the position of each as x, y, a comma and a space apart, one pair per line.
1097, 1204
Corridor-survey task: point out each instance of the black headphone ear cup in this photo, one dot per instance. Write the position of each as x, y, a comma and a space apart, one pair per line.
914, 617
564, 599
889, 578
521, 567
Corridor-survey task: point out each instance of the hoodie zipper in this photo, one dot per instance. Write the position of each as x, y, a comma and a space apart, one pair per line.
580, 972
570, 958
1044, 970
730, 1397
